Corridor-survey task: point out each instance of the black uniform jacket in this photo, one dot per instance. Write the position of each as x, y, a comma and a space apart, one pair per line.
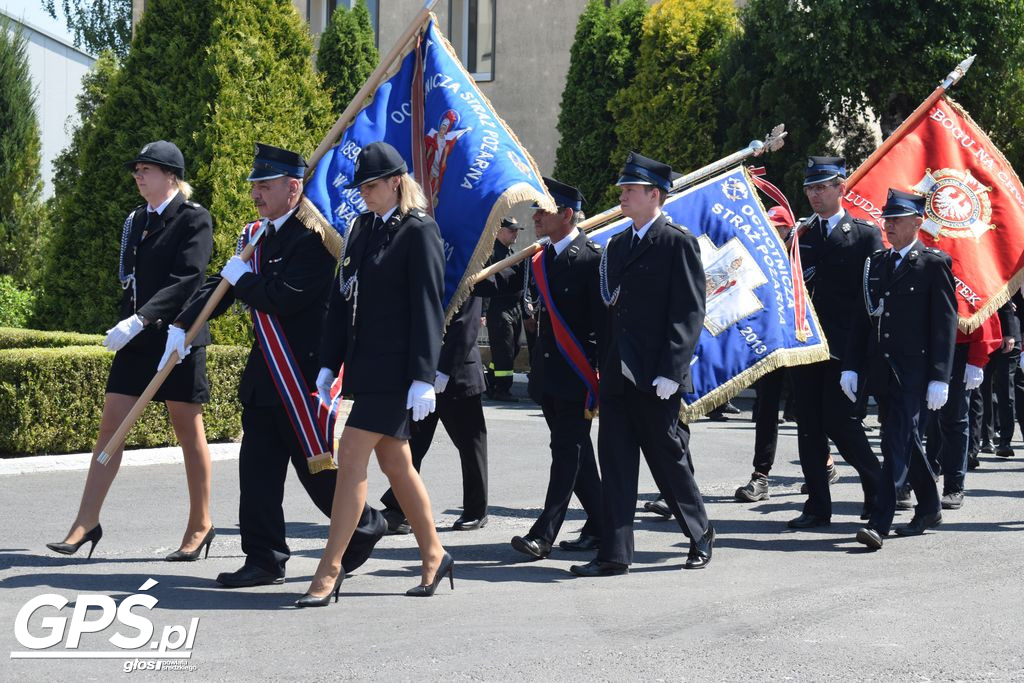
399, 320
295, 275
169, 253
574, 283
509, 284
656, 323
916, 331
833, 270
460, 356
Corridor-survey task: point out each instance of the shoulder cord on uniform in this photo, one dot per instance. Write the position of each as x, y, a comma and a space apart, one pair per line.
609, 297
873, 311
127, 280
349, 288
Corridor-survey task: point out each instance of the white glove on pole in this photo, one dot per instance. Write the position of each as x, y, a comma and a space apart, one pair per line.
421, 400
234, 269
440, 382
973, 375
175, 342
664, 387
323, 385
848, 383
123, 332
938, 392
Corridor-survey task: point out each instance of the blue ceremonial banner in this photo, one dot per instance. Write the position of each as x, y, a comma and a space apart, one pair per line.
472, 168
750, 327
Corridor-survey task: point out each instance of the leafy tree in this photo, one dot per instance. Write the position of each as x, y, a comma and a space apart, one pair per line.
215, 77
347, 54
670, 112
22, 218
867, 71
601, 63
98, 25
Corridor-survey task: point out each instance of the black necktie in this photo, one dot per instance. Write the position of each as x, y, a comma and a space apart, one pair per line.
270, 229
894, 261
636, 241
824, 228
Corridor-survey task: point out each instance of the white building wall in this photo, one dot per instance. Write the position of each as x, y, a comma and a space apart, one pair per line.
57, 69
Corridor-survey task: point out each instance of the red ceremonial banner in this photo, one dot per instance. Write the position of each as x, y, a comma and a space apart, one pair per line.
974, 204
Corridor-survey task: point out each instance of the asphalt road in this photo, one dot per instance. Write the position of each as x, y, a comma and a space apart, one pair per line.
773, 604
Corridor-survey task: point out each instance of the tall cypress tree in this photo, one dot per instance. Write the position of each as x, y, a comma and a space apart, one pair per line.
22, 222
670, 112
215, 77
347, 54
602, 62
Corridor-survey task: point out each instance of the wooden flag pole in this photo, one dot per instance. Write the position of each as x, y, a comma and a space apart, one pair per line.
117, 440
773, 141
954, 76
369, 86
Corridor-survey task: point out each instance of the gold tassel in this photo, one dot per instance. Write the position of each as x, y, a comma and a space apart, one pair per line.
321, 463
314, 221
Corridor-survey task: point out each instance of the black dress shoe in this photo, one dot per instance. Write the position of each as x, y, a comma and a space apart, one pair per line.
599, 568
397, 523
700, 550
919, 524
658, 507
973, 462
806, 521
729, 409
468, 523
534, 547
248, 575
1004, 450
903, 501
582, 544
870, 537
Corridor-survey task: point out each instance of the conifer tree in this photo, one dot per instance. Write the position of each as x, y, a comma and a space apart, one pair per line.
347, 54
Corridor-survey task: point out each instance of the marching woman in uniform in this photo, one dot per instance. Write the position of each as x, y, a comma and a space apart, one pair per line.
165, 248
384, 323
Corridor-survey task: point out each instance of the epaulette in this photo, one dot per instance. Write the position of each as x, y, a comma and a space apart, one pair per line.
192, 204
876, 252
864, 222
594, 246
678, 227
419, 213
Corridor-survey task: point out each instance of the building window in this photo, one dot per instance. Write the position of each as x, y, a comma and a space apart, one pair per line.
471, 31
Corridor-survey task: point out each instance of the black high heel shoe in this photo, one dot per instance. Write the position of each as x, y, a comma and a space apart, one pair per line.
308, 600
447, 566
193, 555
94, 535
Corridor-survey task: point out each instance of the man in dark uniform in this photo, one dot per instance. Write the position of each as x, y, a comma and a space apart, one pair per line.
653, 281
505, 313
294, 279
907, 330
570, 278
832, 251
458, 385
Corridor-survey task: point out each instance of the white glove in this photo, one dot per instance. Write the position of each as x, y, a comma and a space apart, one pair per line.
664, 387
234, 269
440, 382
421, 399
938, 392
323, 385
175, 342
848, 383
973, 376
123, 332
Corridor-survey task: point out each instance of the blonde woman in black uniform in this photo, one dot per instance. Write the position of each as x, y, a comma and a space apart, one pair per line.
385, 323
165, 248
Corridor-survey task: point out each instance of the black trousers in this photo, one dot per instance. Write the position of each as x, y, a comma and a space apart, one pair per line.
948, 432
1004, 367
823, 412
905, 417
573, 470
766, 419
463, 419
631, 422
268, 444
503, 330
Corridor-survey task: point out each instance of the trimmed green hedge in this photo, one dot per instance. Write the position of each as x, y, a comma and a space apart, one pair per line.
18, 338
51, 400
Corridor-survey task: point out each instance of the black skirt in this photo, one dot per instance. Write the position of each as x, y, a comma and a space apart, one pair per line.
134, 367
381, 414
